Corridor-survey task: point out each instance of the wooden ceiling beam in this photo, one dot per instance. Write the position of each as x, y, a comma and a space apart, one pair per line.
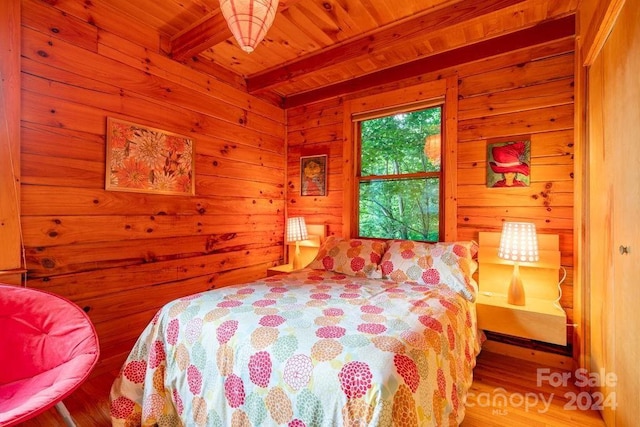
369, 43
206, 33
200, 37
541, 33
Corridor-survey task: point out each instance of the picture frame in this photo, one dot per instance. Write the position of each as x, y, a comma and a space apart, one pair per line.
509, 164
313, 175
145, 159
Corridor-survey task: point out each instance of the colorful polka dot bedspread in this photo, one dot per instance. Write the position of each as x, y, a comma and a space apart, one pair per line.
314, 348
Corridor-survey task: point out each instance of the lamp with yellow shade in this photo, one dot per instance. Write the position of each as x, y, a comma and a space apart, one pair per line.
296, 232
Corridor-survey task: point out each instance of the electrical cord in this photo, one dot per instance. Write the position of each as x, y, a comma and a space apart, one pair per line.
556, 303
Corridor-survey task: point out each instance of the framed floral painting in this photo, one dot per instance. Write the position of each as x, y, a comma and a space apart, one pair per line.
313, 175
148, 160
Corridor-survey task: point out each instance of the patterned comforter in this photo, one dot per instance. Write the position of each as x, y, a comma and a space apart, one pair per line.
313, 348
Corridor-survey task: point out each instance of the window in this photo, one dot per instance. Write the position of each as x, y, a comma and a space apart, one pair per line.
399, 175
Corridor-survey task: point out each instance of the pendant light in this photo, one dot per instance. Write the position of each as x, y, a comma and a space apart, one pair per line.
249, 20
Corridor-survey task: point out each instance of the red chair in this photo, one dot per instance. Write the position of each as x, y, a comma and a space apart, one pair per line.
48, 347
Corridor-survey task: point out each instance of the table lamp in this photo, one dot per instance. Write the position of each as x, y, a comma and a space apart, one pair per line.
296, 231
518, 243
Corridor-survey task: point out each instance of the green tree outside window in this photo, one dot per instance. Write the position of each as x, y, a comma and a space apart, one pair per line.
400, 175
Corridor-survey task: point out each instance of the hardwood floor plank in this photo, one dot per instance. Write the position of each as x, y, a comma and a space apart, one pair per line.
505, 392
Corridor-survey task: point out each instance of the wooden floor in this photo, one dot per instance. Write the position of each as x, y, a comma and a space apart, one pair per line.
497, 378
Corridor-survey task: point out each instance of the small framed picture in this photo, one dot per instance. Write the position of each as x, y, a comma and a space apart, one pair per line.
509, 164
313, 175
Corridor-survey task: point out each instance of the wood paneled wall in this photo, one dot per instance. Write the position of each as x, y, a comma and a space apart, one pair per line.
122, 255
525, 94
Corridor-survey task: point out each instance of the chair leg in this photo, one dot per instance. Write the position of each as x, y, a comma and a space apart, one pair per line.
62, 410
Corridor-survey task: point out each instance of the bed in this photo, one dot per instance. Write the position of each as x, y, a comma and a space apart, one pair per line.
370, 334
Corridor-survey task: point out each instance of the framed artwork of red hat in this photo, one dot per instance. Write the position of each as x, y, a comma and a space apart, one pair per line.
508, 164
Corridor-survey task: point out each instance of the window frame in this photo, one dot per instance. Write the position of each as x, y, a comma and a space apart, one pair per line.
357, 120
443, 91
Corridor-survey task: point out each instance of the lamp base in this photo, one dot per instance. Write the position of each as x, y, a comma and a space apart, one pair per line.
515, 295
297, 262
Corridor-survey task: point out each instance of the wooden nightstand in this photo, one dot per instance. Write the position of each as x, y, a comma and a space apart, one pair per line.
539, 319
280, 269
308, 250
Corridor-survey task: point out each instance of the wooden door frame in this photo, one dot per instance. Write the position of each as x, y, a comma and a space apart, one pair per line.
10, 233
592, 33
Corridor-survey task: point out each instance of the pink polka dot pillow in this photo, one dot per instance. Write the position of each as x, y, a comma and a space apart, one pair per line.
353, 257
451, 263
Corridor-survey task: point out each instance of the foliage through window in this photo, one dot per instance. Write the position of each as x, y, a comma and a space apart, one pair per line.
400, 175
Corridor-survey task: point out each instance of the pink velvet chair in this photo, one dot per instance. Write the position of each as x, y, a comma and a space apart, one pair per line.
48, 347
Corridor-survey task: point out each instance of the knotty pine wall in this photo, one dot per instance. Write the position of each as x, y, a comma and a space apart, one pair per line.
528, 93
122, 255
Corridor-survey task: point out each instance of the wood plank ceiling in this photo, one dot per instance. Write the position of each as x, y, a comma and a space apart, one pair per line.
321, 48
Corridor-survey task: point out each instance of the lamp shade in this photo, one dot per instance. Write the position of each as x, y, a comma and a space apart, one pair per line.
296, 229
249, 20
432, 150
519, 242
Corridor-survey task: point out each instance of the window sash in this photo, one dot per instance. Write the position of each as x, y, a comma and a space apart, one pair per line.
416, 175
411, 212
